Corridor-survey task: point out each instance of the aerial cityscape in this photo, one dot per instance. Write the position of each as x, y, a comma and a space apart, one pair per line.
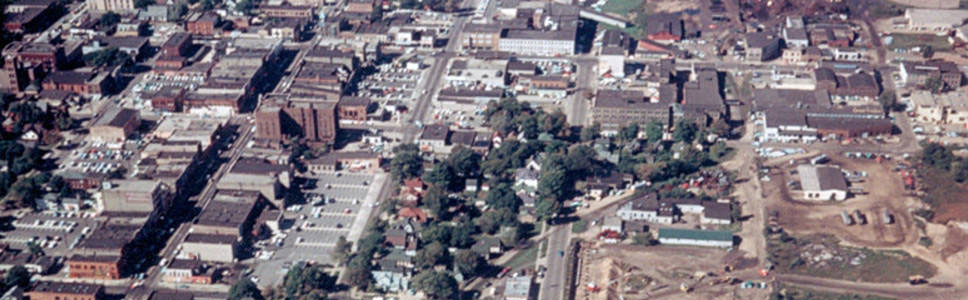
483, 149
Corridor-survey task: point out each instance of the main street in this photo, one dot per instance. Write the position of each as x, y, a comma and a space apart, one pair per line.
235, 152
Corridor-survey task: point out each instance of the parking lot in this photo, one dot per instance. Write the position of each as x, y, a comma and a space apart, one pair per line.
56, 233
337, 204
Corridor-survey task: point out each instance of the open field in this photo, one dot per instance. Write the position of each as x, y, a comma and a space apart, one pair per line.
622, 7
523, 259
823, 256
910, 40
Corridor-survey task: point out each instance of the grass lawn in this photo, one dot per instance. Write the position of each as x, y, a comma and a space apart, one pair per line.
907, 41
622, 7
823, 256
523, 259
792, 292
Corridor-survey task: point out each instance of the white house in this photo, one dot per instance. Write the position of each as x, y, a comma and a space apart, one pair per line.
648, 208
822, 182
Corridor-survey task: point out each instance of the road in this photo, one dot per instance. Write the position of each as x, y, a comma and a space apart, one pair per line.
893, 290
151, 278
432, 86
577, 109
553, 286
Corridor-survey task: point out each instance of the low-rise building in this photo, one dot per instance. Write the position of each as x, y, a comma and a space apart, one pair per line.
115, 124
53, 290
518, 288
211, 247
934, 20
917, 74
693, 237
822, 183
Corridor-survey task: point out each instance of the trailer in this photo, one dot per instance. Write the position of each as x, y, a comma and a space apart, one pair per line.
886, 217
822, 158
846, 217
861, 219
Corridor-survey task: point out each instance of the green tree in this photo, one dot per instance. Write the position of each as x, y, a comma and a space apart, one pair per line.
552, 123
468, 262
17, 276
960, 171
718, 151
927, 51
406, 162
589, 133
431, 255
934, 84
358, 271
937, 156
441, 175
109, 19
629, 133
436, 233
492, 220
244, 6
685, 131
466, 163
437, 201
502, 196
546, 209
436, 285
301, 281
462, 235
208, 5
888, 100
244, 288
110, 56
528, 125
341, 250
64, 122
142, 4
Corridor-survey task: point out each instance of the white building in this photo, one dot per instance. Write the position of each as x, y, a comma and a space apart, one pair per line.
542, 43
692, 237
934, 20
787, 126
822, 182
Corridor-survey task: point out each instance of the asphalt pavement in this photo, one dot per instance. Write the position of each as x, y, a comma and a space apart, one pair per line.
553, 286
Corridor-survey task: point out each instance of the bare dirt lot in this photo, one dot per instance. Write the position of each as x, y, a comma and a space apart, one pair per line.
659, 272
885, 190
945, 245
670, 6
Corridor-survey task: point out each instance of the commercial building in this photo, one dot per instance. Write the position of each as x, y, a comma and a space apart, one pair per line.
143, 196
104, 6
116, 124
856, 86
211, 247
916, 74
315, 121
761, 46
803, 116
518, 288
541, 43
822, 182
481, 37
614, 109
88, 83
693, 237
948, 108
52, 290
230, 212
934, 20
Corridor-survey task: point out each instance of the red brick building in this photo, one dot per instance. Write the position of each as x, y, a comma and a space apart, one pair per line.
52, 290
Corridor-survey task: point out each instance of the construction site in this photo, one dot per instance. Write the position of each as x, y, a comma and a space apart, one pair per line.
871, 236
609, 271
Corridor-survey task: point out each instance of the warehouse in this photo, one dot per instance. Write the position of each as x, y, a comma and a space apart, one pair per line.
693, 237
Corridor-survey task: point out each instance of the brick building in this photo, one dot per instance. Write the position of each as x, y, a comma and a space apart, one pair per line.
52, 290
314, 120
